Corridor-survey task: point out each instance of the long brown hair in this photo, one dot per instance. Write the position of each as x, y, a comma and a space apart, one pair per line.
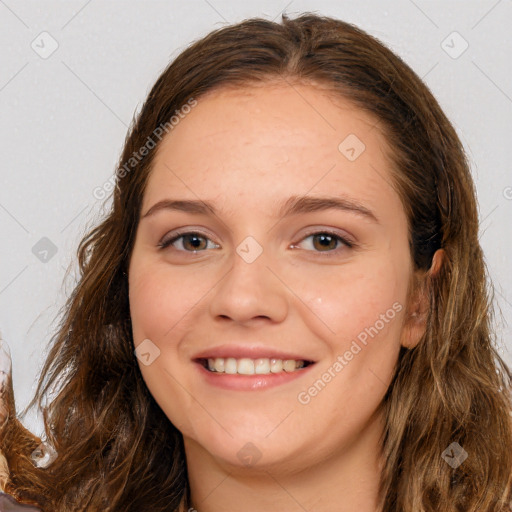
118, 451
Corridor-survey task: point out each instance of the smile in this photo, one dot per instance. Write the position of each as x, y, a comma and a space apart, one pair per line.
247, 366
245, 374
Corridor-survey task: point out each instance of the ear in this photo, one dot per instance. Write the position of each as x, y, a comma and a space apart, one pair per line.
417, 312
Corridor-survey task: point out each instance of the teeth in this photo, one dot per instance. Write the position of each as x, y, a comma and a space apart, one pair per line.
262, 366
230, 365
246, 366
218, 364
289, 365
276, 365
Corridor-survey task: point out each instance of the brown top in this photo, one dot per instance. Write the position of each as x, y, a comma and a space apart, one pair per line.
9, 504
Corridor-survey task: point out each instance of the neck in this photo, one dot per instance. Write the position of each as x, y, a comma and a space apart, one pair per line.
347, 480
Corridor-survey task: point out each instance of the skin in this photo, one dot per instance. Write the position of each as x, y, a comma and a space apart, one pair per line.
246, 151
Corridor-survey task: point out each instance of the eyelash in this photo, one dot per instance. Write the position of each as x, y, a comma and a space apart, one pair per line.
349, 244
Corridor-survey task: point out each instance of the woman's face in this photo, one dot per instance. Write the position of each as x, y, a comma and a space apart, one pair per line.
287, 170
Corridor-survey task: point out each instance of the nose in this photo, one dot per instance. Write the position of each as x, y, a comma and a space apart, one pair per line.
249, 292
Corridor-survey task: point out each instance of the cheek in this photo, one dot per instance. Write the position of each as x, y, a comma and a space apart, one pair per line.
349, 301
362, 315
361, 308
160, 301
160, 311
151, 304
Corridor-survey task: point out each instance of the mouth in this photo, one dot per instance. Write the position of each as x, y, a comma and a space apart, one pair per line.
247, 366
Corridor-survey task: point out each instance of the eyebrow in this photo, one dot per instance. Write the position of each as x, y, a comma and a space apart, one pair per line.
292, 206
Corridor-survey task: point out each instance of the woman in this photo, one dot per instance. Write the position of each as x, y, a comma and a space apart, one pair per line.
287, 304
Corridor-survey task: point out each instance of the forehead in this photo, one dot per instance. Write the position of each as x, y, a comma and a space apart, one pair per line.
268, 142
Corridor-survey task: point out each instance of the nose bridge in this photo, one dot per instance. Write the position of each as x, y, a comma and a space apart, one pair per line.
250, 289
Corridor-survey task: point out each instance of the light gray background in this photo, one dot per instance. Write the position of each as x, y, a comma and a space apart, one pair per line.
63, 120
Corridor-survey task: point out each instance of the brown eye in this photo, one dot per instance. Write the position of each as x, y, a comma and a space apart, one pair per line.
193, 242
324, 241
187, 242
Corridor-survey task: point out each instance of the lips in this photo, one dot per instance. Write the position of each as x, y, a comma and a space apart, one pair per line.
248, 374
254, 352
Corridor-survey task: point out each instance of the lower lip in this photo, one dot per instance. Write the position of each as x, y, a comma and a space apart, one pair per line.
256, 382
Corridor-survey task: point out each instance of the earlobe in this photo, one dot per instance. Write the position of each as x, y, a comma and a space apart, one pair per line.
416, 317
415, 321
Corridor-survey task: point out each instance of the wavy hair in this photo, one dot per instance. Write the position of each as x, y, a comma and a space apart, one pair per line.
118, 451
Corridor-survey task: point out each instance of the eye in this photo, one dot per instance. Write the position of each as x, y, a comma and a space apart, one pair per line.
190, 241
193, 241
327, 242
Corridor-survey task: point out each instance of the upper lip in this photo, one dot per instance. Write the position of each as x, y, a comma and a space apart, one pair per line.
251, 352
